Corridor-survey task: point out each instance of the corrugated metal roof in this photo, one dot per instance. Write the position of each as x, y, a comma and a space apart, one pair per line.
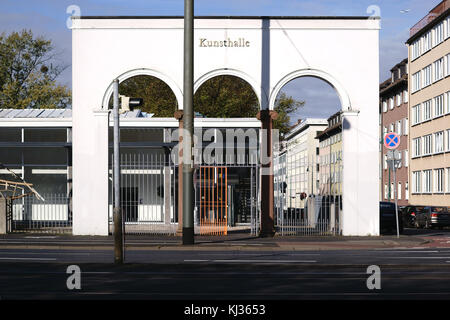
60, 113
35, 113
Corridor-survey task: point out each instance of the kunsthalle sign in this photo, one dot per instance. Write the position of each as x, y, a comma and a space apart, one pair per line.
225, 43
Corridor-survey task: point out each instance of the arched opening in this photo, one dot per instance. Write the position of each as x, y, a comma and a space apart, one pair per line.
226, 96
158, 98
234, 169
308, 168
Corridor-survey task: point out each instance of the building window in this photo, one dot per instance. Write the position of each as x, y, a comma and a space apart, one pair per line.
415, 49
399, 99
399, 191
439, 105
416, 81
406, 159
391, 127
406, 190
427, 110
385, 191
427, 181
417, 181
392, 191
448, 180
405, 96
439, 180
384, 106
417, 147
399, 127
438, 67
447, 102
405, 126
439, 142
447, 145
427, 41
438, 34
417, 114
447, 69
427, 76
391, 103
427, 144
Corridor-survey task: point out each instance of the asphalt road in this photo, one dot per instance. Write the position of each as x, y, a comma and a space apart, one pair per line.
405, 274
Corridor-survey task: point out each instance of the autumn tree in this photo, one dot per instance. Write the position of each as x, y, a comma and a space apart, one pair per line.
28, 73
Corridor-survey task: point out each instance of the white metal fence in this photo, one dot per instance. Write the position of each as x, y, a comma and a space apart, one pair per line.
51, 215
308, 195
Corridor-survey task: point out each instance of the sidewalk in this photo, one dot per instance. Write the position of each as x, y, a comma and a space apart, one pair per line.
225, 243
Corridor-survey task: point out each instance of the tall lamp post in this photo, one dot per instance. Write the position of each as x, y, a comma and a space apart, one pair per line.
188, 124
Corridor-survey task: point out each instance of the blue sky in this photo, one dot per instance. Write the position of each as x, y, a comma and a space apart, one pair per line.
48, 18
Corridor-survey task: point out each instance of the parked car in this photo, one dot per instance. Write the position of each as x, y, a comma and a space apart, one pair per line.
388, 221
433, 217
409, 215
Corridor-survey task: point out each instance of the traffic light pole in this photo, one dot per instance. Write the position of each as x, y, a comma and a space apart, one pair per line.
188, 124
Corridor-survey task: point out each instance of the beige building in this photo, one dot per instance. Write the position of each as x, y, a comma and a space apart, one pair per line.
330, 157
429, 108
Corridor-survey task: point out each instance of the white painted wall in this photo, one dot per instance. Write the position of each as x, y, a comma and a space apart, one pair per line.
344, 52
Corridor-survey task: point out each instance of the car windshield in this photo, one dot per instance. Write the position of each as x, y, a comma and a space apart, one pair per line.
438, 209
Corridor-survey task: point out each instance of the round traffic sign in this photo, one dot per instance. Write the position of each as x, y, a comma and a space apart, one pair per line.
391, 140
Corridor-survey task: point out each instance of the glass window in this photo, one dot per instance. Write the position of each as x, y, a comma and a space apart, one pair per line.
439, 105
416, 81
439, 180
438, 34
427, 41
405, 96
439, 142
417, 145
427, 76
417, 114
438, 69
427, 144
417, 181
427, 110
415, 49
427, 181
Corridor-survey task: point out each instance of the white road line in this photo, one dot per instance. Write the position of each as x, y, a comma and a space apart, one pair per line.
419, 257
40, 259
252, 261
402, 251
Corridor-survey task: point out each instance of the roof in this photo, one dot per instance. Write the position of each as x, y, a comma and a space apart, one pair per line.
35, 113
305, 124
60, 113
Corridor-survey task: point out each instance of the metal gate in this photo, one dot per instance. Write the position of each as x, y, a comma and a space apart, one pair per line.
308, 196
147, 190
213, 200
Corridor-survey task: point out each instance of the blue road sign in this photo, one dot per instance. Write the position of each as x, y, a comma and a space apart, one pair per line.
391, 140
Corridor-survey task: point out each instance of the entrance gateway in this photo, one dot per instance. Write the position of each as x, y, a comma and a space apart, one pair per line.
270, 52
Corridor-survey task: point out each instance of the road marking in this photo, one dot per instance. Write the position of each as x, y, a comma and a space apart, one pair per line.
419, 257
402, 251
252, 261
41, 259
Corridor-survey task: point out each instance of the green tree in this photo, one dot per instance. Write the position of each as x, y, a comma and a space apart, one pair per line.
285, 105
28, 75
219, 97
157, 95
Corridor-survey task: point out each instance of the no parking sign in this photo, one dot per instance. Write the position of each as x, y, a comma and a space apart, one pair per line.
391, 140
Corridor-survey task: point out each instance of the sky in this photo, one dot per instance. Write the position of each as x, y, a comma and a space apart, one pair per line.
49, 19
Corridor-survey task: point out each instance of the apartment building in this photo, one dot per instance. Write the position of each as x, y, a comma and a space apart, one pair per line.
429, 113
330, 156
394, 118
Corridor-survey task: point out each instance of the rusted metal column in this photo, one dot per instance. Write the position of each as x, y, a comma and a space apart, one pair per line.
179, 116
267, 189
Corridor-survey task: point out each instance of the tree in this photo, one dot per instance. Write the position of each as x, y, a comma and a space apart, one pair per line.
157, 95
285, 106
27, 74
220, 97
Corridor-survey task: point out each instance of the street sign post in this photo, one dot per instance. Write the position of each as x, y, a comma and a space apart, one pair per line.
394, 158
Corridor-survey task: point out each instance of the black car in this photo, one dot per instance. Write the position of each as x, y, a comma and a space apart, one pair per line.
431, 217
388, 221
409, 215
